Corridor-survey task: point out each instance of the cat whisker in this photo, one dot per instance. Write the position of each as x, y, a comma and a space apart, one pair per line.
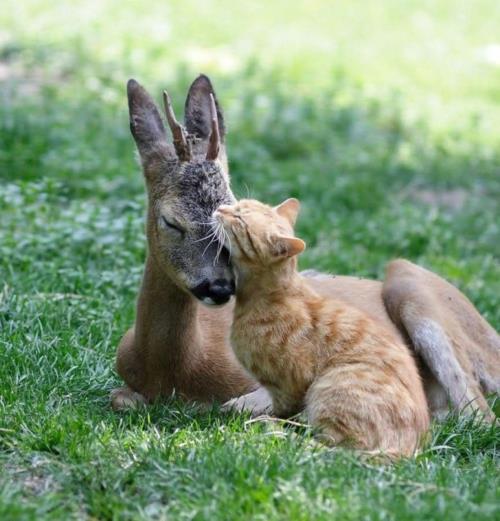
223, 239
220, 239
214, 237
227, 241
202, 223
210, 234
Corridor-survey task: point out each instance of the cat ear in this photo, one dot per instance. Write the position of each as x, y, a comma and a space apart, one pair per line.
289, 209
287, 246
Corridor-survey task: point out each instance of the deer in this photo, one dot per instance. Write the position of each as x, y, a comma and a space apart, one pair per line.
180, 340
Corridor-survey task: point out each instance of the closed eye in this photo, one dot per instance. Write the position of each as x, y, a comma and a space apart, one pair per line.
171, 225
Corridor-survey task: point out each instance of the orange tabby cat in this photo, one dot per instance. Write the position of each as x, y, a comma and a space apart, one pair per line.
358, 384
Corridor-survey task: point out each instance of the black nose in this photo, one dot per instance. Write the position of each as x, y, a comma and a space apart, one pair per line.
220, 290
217, 292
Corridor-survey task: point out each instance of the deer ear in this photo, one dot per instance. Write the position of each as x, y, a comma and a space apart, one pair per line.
198, 115
145, 121
288, 246
289, 209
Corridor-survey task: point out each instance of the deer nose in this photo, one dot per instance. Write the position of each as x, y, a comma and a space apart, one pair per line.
215, 292
220, 290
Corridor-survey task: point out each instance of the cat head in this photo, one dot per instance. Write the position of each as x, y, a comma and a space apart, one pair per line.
258, 235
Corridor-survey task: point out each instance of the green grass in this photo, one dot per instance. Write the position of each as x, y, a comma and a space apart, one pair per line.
381, 117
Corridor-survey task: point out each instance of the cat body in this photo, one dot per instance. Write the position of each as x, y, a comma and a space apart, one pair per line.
357, 383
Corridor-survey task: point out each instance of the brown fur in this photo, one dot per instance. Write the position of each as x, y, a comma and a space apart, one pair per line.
178, 343
358, 383
461, 349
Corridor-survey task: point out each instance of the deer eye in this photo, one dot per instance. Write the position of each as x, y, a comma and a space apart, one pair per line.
170, 225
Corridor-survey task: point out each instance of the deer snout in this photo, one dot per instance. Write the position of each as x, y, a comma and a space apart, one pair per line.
214, 293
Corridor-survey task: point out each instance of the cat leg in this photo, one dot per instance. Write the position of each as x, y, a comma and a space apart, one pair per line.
364, 414
257, 402
328, 410
446, 332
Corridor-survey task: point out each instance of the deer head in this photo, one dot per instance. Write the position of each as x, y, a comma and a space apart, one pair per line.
186, 181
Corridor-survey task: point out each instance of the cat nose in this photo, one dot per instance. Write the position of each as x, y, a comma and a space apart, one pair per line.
220, 290
223, 210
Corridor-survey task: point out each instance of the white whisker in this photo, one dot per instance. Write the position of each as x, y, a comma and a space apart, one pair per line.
228, 241
220, 240
203, 223
210, 234
214, 238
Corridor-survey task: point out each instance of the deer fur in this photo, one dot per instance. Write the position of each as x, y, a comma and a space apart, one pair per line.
179, 344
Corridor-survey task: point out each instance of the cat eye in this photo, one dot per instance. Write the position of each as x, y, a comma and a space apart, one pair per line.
172, 226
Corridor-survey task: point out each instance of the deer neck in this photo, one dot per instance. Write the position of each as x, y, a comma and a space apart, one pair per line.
167, 322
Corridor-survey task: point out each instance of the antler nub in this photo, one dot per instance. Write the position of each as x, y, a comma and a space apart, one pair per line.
181, 144
214, 139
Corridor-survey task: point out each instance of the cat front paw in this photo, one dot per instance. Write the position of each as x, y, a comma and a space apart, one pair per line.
256, 403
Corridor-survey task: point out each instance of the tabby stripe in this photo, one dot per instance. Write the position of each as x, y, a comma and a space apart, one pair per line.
242, 250
250, 240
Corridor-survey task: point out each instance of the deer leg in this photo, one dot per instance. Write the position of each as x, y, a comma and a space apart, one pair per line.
420, 304
126, 363
431, 342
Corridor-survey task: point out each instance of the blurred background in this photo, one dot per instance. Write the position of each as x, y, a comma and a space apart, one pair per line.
382, 117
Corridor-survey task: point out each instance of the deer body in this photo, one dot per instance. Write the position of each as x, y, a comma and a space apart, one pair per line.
179, 344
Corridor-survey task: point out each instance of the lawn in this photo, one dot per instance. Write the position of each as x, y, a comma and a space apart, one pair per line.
381, 117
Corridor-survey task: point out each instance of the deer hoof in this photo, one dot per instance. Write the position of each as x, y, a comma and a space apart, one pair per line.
124, 398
